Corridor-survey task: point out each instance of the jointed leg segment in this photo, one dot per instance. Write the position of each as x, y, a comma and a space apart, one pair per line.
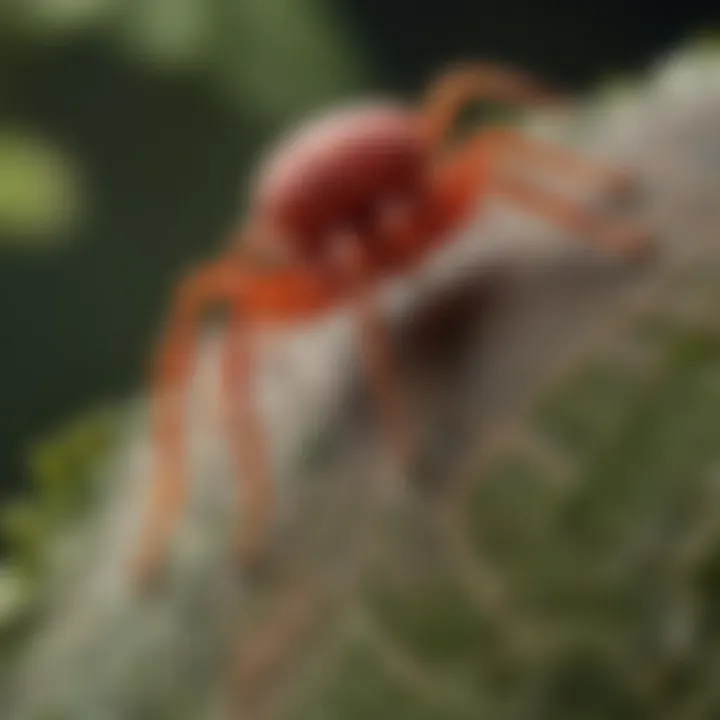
218, 283
492, 163
451, 92
582, 222
246, 440
496, 149
376, 354
552, 159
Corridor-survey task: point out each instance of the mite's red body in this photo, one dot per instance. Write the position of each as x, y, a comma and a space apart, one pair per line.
362, 173
356, 195
306, 187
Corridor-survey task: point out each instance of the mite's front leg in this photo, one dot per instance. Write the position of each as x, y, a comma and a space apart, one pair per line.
247, 444
217, 283
168, 446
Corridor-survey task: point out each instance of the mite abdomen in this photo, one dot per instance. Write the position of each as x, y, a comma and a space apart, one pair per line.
335, 171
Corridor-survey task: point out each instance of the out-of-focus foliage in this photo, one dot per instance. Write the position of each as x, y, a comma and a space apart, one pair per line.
273, 58
13, 596
62, 468
40, 194
44, 20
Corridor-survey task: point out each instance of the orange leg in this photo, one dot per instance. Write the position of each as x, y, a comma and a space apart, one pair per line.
274, 295
450, 93
523, 150
626, 238
376, 355
216, 283
484, 165
247, 443
504, 151
350, 264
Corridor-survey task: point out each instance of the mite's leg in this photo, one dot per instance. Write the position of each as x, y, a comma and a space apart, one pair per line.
217, 283
626, 238
499, 151
451, 92
349, 262
247, 444
513, 147
168, 443
385, 385
277, 636
481, 167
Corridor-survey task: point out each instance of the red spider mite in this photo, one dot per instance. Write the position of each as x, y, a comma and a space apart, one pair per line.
360, 194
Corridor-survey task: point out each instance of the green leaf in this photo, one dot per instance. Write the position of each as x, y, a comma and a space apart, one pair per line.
55, 18
61, 466
174, 33
15, 596
40, 199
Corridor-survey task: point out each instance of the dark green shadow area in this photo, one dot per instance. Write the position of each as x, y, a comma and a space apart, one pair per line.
358, 689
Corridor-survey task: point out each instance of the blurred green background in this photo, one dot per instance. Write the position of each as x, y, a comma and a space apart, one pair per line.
128, 129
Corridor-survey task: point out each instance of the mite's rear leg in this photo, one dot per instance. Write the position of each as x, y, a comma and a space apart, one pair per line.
613, 183
174, 364
349, 262
247, 444
484, 166
626, 237
450, 93
510, 153
385, 385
